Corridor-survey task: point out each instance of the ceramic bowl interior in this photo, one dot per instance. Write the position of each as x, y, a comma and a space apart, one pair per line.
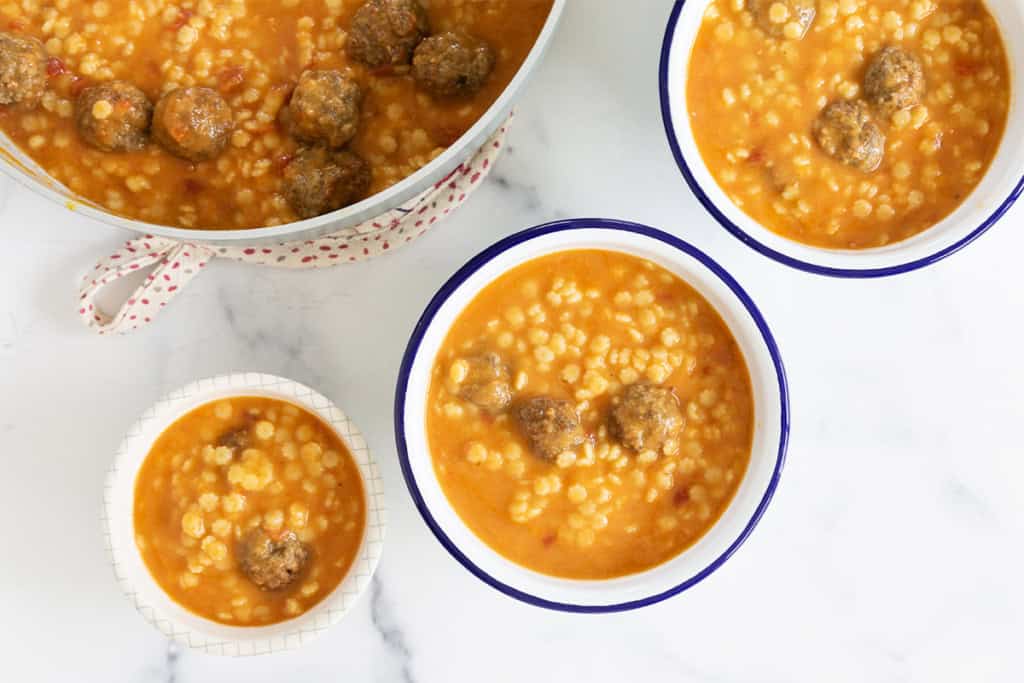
1001, 185
138, 584
21, 168
771, 408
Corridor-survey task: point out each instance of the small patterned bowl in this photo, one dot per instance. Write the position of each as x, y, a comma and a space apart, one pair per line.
771, 425
173, 620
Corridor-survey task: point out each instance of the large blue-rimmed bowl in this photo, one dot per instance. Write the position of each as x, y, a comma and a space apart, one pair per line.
771, 417
998, 190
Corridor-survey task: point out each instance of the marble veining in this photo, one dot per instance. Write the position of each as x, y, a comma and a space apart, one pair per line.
384, 620
891, 552
171, 661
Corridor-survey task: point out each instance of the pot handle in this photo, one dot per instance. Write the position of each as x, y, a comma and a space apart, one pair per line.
175, 264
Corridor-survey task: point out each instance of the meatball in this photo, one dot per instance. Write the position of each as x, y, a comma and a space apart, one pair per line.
385, 32
319, 181
22, 70
783, 18
487, 383
846, 132
551, 426
114, 117
325, 108
894, 81
272, 563
646, 417
237, 439
193, 123
452, 63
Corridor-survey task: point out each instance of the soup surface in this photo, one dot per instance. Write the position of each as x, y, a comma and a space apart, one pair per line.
590, 415
252, 53
249, 511
917, 143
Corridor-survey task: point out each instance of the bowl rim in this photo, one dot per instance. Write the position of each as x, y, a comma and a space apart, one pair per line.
475, 264
368, 208
199, 632
668, 42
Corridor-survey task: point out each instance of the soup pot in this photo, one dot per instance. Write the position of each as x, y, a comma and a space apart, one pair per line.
20, 167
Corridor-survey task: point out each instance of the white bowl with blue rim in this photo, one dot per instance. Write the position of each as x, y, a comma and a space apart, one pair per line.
1000, 187
771, 405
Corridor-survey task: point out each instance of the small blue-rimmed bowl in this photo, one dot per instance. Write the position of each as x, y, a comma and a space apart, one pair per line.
1002, 184
770, 435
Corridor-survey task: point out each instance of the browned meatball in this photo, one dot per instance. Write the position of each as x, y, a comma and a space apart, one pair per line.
325, 108
452, 63
846, 132
385, 32
319, 181
551, 426
236, 439
894, 81
487, 383
193, 123
114, 117
22, 70
646, 417
272, 563
783, 18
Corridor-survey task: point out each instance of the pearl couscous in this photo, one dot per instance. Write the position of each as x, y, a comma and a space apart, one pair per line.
249, 511
590, 415
848, 124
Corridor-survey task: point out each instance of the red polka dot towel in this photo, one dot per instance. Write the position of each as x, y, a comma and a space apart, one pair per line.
175, 262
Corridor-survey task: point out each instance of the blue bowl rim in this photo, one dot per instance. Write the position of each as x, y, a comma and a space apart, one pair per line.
746, 238
472, 266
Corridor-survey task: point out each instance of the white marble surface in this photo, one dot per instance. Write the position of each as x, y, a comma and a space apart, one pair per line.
892, 551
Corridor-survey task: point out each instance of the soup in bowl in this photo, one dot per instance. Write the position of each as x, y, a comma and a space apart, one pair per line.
591, 415
843, 137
